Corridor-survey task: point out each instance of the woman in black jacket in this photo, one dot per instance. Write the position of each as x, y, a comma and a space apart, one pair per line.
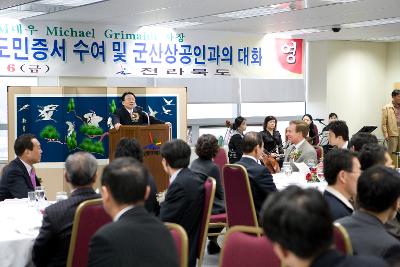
235, 143
272, 138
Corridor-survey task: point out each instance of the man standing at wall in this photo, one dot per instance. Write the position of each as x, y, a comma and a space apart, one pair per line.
391, 122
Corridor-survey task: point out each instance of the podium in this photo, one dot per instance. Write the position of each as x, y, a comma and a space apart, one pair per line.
150, 137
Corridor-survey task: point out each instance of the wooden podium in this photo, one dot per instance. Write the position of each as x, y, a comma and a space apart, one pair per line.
150, 137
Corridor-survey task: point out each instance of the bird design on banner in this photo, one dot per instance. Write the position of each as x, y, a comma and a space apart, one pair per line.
152, 112
92, 118
168, 102
46, 112
24, 107
166, 111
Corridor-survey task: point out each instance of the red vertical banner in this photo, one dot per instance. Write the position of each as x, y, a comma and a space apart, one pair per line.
290, 54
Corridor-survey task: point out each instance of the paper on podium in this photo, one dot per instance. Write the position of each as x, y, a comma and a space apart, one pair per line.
302, 167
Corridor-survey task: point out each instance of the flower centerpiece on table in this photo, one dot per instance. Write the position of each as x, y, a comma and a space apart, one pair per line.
312, 176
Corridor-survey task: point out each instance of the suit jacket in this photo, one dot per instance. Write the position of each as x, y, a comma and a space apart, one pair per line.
307, 152
367, 234
52, 244
184, 205
124, 117
261, 181
136, 239
337, 208
332, 258
151, 203
15, 181
235, 148
272, 142
205, 169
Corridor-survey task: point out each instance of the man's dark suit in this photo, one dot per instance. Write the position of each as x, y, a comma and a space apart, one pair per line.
261, 181
184, 205
15, 181
123, 116
52, 244
337, 208
136, 239
333, 258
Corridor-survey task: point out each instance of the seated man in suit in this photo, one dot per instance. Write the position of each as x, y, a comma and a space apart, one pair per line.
300, 227
378, 196
300, 150
358, 140
19, 176
261, 181
131, 114
135, 238
338, 134
131, 148
185, 196
341, 171
52, 244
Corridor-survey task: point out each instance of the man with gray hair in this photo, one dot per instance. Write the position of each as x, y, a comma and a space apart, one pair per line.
52, 244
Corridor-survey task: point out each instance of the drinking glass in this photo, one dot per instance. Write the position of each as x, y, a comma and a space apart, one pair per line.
31, 198
310, 163
320, 173
39, 191
287, 168
61, 196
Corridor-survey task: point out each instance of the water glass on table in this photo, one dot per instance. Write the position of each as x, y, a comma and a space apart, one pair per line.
31, 198
310, 163
287, 168
39, 192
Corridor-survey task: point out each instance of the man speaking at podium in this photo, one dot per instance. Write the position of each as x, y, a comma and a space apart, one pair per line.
131, 114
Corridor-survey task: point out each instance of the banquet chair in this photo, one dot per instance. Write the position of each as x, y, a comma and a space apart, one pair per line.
89, 217
181, 241
221, 158
209, 194
320, 152
342, 239
239, 203
246, 246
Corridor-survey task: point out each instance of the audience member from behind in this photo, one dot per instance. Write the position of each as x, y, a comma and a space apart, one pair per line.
235, 142
374, 154
300, 150
378, 196
19, 176
131, 148
207, 148
300, 227
391, 122
341, 171
135, 237
184, 199
312, 136
359, 139
261, 181
338, 134
52, 244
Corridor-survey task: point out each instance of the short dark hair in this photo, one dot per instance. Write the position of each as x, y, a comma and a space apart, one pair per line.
301, 127
125, 94
127, 179
359, 139
81, 168
250, 141
298, 220
207, 146
371, 154
395, 92
238, 121
378, 188
23, 142
335, 161
176, 153
339, 128
268, 119
129, 148
331, 115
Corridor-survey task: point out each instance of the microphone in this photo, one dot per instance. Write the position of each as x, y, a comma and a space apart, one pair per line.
319, 120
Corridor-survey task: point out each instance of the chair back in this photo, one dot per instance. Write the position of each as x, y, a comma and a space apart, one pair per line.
221, 159
246, 246
342, 239
320, 152
209, 194
181, 241
239, 203
89, 217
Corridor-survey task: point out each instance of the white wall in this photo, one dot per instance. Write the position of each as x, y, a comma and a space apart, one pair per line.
349, 78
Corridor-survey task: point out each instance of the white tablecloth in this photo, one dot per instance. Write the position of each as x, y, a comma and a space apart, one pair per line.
282, 181
19, 226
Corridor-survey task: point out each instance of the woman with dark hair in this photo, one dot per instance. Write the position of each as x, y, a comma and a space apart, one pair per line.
271, 137
313, 137
207, 148
235, 143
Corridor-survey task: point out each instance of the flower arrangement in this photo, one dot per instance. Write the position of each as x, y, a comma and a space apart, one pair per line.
295, 155
312, 176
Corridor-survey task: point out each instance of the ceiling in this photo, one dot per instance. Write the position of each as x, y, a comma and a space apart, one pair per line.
271, 16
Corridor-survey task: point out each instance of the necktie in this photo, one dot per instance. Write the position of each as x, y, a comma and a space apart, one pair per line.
33, 177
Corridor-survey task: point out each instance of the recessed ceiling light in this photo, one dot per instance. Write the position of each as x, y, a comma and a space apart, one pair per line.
255, 12
73, 3
176, 24
369, 23
295, 32
386, 38
18, 14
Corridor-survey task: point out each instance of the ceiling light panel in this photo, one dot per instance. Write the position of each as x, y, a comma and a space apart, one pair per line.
370, 23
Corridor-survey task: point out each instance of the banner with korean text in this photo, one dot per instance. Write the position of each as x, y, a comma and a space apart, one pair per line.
55, 49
